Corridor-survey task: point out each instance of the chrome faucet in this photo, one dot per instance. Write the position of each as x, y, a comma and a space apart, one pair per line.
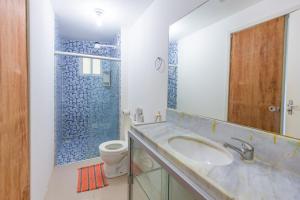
246, 151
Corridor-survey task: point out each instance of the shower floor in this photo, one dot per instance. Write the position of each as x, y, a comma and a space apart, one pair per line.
80, 148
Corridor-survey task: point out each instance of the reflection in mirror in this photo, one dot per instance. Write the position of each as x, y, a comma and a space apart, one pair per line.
229, 64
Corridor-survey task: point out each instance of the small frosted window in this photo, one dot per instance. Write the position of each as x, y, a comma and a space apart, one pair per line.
86, 66
91, 66
96, 66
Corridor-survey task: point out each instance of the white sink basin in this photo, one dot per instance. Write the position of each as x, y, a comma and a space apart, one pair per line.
201, 150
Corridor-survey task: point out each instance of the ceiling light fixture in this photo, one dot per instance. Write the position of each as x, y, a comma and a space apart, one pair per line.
99, 13
99, 22
97, 45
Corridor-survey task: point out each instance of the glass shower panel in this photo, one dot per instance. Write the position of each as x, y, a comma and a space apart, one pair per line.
86, 110
103, 107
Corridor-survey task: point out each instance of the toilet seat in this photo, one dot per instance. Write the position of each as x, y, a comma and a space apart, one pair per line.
114, 146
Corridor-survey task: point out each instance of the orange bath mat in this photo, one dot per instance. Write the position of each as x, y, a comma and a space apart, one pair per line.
91, 178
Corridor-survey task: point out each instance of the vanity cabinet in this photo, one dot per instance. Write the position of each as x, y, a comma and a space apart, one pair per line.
149, 180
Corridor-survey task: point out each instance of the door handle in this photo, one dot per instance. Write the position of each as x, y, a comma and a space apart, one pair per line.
274, 108
291, 107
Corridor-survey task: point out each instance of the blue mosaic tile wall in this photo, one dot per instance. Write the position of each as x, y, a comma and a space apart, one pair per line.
87, 113
172, 75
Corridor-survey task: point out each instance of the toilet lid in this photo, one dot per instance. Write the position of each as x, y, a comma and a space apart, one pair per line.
114, 146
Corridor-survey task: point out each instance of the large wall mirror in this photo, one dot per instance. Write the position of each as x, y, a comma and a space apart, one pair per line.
228, 62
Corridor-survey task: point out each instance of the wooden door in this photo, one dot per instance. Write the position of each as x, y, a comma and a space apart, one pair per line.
257, 56
14, 138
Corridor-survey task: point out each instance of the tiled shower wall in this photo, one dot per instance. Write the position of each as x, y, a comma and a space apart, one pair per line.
87, 113
172, 75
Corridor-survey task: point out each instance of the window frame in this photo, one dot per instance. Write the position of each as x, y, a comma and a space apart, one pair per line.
91, 67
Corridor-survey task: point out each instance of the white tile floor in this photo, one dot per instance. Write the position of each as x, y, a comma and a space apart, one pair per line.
63, 185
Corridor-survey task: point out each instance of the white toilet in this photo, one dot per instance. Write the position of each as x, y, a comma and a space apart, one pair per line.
114, 154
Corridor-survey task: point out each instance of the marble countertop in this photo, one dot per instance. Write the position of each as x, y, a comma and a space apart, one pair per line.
253, 180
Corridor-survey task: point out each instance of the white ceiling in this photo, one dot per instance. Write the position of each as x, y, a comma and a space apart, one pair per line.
209, 13
76, 19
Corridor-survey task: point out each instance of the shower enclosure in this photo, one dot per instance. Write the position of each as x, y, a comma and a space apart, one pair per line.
87, 94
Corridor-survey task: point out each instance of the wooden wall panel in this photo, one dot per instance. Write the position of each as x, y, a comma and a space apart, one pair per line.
14, 135
257, 56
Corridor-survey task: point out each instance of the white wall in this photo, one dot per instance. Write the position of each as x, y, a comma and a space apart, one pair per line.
201, 74
148, 39
41, 33
291, 124
124, 123
204, 59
